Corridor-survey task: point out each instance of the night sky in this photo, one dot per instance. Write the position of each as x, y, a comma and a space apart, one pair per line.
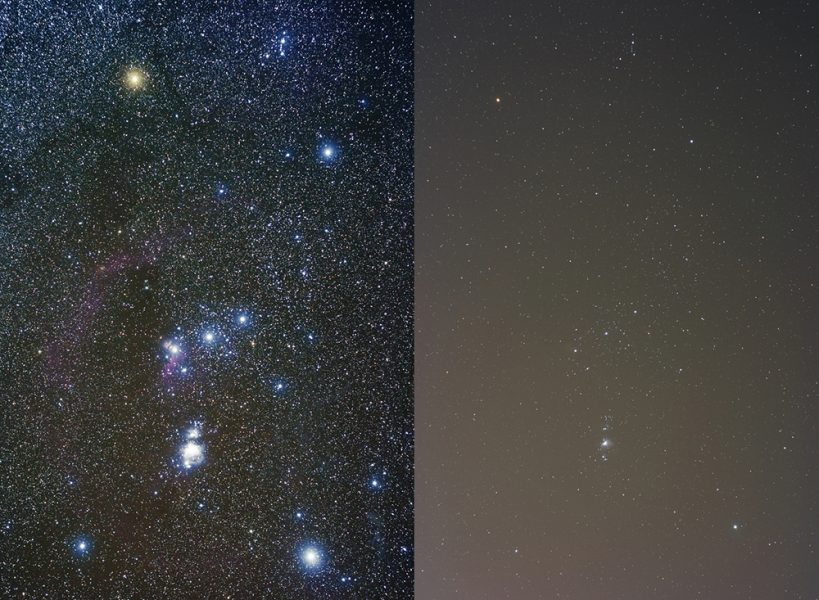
616, 300
206, 299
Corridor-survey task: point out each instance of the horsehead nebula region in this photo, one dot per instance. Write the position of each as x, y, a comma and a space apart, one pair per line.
207, 300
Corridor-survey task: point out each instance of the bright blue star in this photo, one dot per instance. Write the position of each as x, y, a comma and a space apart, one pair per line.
280, 386
210, 336
81, 546
328, 153
311, 557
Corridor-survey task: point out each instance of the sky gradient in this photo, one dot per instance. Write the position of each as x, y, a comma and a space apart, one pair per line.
616, 300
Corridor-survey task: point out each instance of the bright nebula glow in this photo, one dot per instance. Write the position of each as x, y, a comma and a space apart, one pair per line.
174, 357
192, 454
135, 79
172, 347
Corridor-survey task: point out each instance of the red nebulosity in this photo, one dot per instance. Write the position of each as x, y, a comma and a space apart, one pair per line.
63, 349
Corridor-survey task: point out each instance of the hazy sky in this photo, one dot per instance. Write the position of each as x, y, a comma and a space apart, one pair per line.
616, 301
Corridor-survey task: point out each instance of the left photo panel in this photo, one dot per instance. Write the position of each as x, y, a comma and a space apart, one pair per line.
206, 300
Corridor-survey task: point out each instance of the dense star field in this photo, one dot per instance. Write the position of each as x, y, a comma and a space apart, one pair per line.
206, 285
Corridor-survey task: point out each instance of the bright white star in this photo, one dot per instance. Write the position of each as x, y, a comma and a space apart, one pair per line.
311, 556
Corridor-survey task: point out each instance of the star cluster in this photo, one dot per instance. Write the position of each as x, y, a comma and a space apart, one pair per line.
206, 300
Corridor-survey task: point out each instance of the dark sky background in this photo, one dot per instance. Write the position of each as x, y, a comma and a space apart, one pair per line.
616, 300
